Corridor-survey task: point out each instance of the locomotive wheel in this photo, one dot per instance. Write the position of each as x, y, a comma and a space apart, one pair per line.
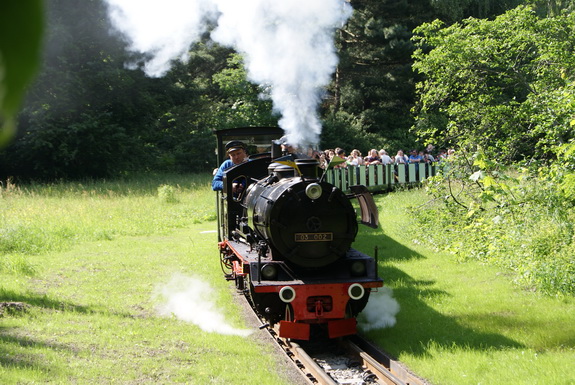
354, 307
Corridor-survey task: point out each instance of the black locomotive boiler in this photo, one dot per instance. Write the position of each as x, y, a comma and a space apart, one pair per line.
286, 239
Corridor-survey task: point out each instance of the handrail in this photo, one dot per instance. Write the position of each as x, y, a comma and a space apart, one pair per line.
380, 178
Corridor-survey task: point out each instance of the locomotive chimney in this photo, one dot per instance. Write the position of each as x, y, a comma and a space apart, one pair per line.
309, 168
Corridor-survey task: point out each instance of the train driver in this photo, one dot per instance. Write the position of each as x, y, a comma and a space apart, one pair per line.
236, 150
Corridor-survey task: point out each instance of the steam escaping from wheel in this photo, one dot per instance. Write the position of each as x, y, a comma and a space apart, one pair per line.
191, 300
288, 45
380, 311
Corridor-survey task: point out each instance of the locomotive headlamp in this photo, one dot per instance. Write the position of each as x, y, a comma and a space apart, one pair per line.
269, 271
313, 191
357, 268
287, 294
356, 291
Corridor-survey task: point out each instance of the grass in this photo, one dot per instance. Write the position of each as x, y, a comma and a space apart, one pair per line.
40, 218
94, 261
94, 302
466, 323
96, 321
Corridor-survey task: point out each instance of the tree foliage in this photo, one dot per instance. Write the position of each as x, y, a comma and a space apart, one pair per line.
500, 91
505, 86
373, 88
88, 115
454, 10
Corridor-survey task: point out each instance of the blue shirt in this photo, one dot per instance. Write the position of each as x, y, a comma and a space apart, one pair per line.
415, 159
218, 181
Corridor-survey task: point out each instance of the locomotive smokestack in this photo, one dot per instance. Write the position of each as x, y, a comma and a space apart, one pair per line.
309, 168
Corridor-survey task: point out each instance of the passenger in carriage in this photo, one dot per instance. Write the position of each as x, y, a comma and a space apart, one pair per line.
373, 157
385, 158
415, 157
329, 154
355, 158
442, 155
341, 153
428, 158
400, 158
323, 162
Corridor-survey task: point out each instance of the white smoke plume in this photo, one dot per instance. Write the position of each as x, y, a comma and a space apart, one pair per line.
380, 311
287, 45
162, 29
192, 300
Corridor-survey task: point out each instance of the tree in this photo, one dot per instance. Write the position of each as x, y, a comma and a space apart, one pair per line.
240, 102
495, 84
215, 94
88, 115
373, 87
373, 91
451, 11
85, 115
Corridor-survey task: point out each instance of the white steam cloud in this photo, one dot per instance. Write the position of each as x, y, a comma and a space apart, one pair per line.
287, 45
380, 311
192, 300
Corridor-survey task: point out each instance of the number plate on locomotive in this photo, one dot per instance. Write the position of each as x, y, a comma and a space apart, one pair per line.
313, 237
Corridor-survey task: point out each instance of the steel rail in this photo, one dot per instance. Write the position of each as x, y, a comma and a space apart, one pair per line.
371, 358
318, 373
391, 371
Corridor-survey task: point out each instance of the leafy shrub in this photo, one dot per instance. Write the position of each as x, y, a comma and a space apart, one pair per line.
517, 219
167, 194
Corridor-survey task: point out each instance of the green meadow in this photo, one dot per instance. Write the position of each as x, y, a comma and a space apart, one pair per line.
466, 323
120, 282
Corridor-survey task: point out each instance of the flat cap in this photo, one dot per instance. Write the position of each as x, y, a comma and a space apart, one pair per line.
234, 145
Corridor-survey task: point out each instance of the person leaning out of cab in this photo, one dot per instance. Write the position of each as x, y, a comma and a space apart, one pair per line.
236, 151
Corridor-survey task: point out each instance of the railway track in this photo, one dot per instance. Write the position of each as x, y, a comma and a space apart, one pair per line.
349, 360
352, 361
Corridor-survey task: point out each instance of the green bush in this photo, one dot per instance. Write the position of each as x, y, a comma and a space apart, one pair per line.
167, 194
517, 219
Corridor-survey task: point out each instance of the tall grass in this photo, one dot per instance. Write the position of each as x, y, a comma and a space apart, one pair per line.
40, 218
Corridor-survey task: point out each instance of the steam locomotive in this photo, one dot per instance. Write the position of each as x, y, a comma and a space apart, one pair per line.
285, 240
